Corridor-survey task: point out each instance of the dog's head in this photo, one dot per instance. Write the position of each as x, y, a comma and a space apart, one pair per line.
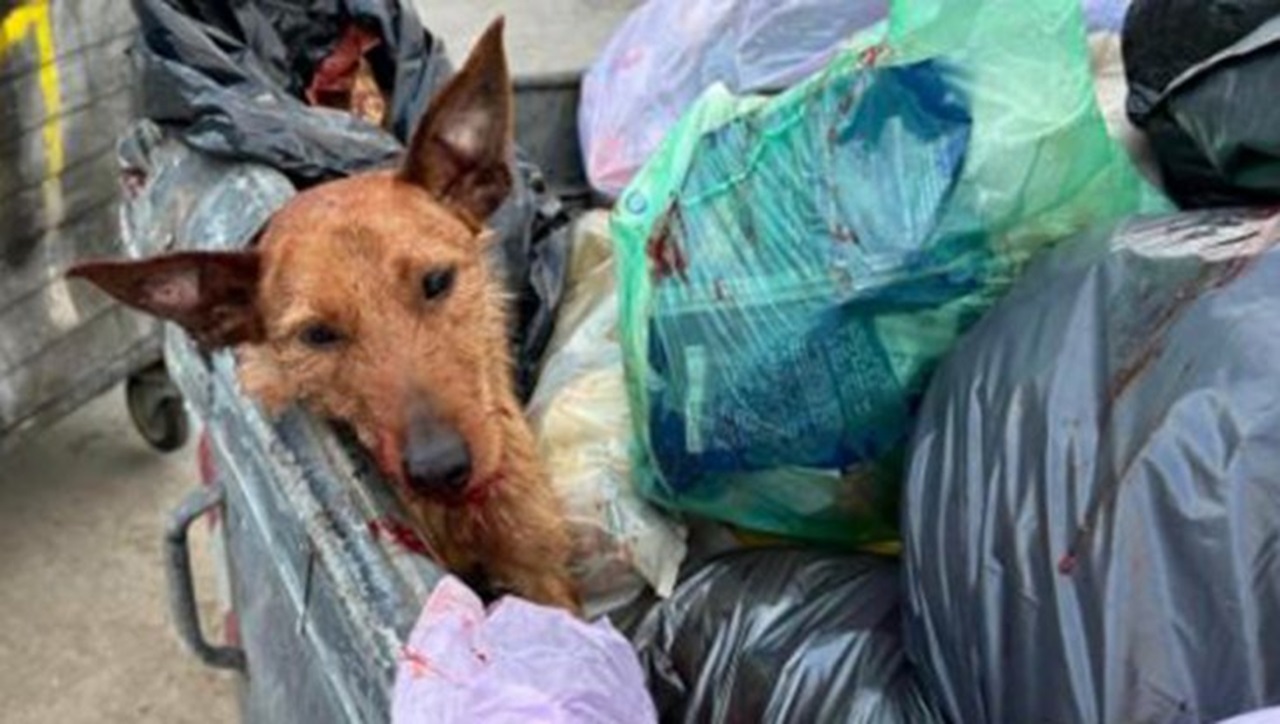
368, 299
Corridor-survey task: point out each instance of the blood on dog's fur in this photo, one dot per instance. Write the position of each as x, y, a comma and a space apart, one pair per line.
370, 300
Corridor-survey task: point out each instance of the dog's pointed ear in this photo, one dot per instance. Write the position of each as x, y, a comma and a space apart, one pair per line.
213, 295
461, 148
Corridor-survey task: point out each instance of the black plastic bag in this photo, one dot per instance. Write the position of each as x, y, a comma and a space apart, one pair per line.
229, 79
1203, 78
783, 636
1092, 523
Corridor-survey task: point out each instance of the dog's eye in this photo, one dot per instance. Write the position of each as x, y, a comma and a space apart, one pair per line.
319, 336
437, 282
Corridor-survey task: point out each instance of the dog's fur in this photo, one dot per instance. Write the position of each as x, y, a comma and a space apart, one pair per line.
340, 307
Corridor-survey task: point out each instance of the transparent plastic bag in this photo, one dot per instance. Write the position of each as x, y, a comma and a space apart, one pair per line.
792, 268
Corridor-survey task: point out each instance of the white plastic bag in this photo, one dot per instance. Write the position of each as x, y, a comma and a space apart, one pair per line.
669, 51
518, 663
622, 544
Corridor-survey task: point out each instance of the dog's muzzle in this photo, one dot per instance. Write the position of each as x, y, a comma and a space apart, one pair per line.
436, 462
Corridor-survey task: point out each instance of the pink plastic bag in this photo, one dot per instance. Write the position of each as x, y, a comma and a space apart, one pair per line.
515, 664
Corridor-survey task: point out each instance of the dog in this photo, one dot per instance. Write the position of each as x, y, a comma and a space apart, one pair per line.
369, 301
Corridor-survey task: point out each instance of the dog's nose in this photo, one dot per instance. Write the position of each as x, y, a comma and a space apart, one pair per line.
436, 461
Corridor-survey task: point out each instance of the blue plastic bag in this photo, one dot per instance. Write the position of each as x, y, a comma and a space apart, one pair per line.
704, 419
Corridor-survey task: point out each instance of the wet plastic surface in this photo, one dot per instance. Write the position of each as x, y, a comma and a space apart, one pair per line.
1202, 77
1092, 508
778, 635
624, 546
233, 77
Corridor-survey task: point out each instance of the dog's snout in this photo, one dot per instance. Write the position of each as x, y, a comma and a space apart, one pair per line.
436, 461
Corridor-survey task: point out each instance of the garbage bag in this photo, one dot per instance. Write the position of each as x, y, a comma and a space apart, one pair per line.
783, 636
1201, 82
1092, 508
517, 663
624, 547
230, 79
668, 51
233, 77
792, 268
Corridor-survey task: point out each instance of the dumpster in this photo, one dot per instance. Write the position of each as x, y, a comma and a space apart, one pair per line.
65, 95
324, 580
323, 586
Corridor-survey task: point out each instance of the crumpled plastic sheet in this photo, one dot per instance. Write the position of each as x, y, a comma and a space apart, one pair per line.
517, 663
1105, 16
668, 52
623, 545
232, 76
1112, 91
784, 635
1202, 81
1092, 510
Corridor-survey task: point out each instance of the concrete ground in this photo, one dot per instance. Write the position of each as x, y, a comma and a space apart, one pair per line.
85, 632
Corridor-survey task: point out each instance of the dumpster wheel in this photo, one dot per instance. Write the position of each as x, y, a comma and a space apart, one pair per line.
155, 405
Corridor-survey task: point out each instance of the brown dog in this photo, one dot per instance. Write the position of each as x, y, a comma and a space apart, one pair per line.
369, 300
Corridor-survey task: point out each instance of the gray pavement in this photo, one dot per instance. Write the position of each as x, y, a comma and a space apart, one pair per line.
85, 634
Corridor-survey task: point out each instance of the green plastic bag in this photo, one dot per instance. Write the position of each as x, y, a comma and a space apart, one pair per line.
792, 269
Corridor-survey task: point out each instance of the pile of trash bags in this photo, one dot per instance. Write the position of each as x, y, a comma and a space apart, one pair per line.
931, 294
987, 283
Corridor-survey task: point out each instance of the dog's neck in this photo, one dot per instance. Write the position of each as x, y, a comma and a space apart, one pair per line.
519, 451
